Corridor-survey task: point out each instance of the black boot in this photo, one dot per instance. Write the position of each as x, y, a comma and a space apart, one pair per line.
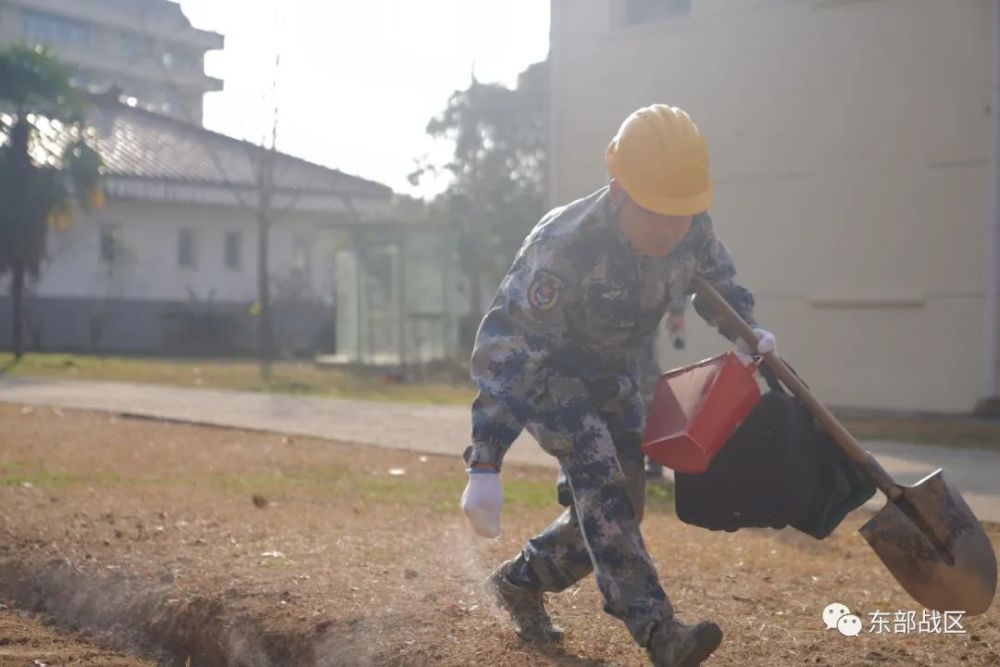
525, 606
674, 644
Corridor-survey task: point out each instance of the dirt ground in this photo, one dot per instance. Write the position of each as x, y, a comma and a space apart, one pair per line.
26, 642
196, 546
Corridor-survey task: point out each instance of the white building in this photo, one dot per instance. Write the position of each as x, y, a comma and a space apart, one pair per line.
851, 150
148, 48
171, 263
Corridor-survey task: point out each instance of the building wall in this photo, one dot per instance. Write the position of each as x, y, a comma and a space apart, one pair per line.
849, 143
149, 268
142, 326
145, 280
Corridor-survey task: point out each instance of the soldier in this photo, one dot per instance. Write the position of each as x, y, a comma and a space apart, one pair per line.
649, 369
556, 354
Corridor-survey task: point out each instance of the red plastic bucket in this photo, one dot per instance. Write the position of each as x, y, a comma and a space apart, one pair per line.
695, 409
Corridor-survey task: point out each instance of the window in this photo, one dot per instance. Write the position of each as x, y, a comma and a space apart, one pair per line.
647, 11
185, 248
52, 29
111, 243
234, 250
132, 46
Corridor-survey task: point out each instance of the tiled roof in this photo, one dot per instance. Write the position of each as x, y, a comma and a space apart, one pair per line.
136, 143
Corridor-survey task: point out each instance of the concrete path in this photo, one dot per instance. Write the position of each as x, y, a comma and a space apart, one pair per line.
425, 428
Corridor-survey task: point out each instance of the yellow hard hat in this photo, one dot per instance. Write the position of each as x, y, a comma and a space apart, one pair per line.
660, 159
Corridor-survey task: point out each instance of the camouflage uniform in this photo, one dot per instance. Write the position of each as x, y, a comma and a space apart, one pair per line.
557, 354
649, 373
649, 365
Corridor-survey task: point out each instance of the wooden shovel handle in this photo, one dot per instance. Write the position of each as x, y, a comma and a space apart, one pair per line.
841, 435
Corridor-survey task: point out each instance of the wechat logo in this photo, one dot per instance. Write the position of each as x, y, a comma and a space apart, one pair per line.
836, 615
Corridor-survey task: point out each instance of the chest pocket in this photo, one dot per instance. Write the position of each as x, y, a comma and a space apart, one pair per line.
652, 302
611, 307
664, 283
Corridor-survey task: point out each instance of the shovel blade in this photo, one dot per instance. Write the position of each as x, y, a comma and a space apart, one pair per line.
935, 547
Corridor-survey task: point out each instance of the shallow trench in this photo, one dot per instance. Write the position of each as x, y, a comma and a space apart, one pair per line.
196, 631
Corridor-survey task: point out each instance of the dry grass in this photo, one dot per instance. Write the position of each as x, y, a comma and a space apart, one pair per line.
288, 377
386, 562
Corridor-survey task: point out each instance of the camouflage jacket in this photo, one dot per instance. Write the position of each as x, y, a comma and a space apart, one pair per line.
579, 302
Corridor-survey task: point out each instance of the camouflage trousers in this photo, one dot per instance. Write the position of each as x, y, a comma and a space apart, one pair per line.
602, 485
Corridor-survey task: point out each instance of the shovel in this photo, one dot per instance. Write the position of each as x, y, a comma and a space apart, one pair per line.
926, 535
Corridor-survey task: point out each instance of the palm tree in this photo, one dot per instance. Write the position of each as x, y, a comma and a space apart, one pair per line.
37, 189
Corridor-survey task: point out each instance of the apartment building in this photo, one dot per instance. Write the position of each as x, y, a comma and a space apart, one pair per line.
147, 48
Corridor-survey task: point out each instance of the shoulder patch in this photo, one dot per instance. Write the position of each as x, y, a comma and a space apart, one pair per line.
545, 290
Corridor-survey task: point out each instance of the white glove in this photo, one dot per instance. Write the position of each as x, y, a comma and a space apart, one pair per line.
765, 344
481, 502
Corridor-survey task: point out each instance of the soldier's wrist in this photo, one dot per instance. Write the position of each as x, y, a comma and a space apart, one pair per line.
479, 457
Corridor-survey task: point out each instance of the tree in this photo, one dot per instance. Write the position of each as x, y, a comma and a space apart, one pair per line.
264, 211
498, 191
260, 203
36, 188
